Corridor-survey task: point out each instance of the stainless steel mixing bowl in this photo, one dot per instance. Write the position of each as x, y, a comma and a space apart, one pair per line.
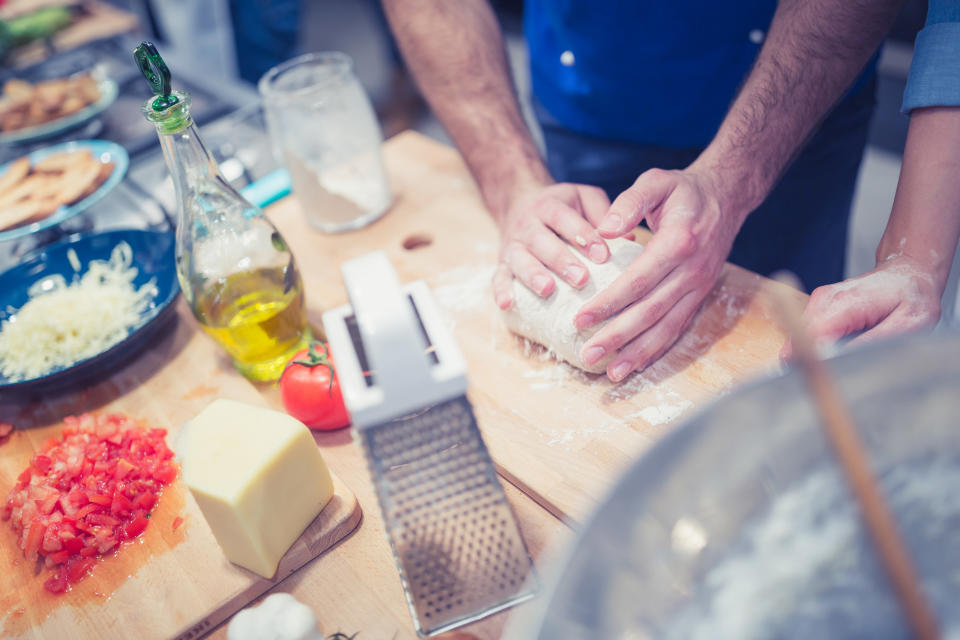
739, 524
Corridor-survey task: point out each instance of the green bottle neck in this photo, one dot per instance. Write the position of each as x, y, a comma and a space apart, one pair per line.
171, 119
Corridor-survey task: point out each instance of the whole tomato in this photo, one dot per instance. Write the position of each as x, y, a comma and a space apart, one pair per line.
310, 389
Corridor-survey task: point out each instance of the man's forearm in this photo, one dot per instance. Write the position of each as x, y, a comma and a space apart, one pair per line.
813, 52
925, 220
455, 50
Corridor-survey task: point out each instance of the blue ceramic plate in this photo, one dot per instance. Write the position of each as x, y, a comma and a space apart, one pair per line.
102, 150
108, 95
153, 256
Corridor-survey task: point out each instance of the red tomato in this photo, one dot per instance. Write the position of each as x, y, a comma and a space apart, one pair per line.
310, 389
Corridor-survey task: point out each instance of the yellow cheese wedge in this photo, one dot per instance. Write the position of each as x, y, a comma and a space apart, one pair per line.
258, 478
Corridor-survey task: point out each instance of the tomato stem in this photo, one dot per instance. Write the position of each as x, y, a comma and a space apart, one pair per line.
314, 359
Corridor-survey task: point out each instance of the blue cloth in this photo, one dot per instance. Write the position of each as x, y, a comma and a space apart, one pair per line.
935, 71
265, 34
653, 72
801, 226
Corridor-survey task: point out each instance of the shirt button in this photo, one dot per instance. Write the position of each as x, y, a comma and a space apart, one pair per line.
567, 59
756, 36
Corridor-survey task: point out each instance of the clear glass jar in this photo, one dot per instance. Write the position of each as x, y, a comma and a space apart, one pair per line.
324, 131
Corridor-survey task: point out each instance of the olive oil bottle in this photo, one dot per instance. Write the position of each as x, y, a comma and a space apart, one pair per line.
235, 270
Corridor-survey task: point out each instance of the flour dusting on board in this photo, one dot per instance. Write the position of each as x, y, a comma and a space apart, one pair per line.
462, 289
575, 438
554, 376
662, 413
733, 304
670, 406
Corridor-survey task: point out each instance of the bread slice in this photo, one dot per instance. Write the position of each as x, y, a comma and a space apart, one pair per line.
16, 172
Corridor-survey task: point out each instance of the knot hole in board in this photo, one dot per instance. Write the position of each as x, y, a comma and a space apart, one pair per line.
417, 241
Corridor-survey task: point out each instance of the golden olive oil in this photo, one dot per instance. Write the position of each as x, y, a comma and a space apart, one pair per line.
258, 317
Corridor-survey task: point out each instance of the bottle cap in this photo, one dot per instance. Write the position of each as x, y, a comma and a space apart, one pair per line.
169, 110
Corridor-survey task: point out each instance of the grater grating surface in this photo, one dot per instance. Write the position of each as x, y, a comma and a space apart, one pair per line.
454, 536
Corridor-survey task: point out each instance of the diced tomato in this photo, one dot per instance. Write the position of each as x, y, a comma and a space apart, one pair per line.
135, 527
104, 520
87, 510
32, 540
177, 522
123, 468
84, 494
49, 503
41, 463
72, 545
97, 498
146, 501
51, 540
77, 567
166, 473
121, 504
60, 556
56, 584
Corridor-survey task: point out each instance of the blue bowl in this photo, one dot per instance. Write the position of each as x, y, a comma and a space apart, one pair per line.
153, 256
101, 149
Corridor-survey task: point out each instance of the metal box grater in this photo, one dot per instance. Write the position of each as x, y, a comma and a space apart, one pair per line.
454, 537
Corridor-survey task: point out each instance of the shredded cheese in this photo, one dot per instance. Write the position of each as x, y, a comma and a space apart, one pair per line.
62, 324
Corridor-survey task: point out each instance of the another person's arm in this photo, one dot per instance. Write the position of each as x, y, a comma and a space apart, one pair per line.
456, 52
813, 52
915, 253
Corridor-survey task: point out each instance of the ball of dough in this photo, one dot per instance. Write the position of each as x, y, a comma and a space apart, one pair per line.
549, 321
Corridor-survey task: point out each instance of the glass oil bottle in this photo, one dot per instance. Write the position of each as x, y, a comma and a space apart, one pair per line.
235, 270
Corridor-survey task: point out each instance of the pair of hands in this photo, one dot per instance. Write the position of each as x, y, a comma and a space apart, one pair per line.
657, 295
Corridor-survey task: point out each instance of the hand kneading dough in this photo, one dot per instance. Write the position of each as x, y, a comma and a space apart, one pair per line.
549, 321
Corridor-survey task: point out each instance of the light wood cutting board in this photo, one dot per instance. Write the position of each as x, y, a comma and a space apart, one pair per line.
170, 583
560, 435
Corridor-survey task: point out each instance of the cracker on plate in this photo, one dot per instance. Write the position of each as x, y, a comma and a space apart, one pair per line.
31, 193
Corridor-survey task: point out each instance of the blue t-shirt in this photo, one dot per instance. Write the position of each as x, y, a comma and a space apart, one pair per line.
935, 70
657, 72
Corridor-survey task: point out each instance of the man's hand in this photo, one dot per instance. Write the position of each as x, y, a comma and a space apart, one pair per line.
535, 232
898, 296
659, 293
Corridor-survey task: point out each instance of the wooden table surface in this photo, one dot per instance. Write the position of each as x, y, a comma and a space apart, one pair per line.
438, 230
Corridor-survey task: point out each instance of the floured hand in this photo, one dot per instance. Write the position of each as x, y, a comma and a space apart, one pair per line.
537, 233
898, 296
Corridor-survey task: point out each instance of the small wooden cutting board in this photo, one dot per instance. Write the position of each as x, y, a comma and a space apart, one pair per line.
169, 583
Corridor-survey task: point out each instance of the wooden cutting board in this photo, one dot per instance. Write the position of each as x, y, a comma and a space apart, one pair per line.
170, 583
560, 435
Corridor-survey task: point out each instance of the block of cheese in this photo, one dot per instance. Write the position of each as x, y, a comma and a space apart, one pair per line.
257, 476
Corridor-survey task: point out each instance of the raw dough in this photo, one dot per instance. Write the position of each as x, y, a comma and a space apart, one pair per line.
549, 321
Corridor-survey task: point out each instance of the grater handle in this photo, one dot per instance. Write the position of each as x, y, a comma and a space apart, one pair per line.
393, 342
